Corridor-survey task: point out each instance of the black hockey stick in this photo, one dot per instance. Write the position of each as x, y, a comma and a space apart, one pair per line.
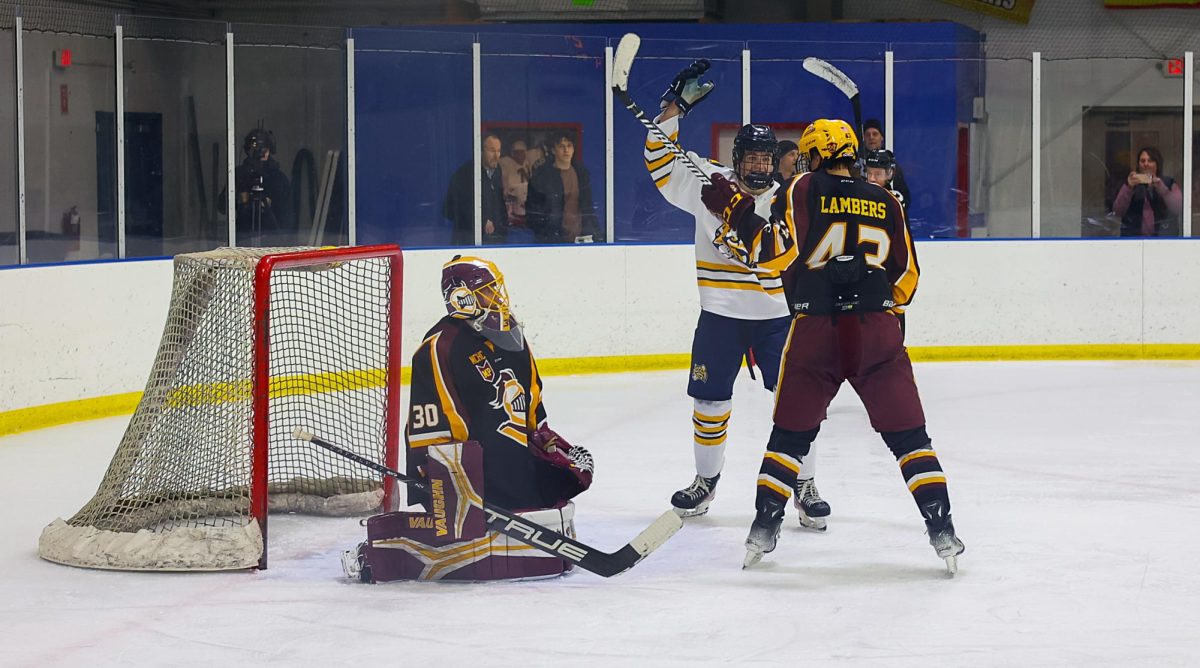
843, 83
604, 564
622, 62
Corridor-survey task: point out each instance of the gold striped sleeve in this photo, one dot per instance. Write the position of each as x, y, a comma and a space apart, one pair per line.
457, 424
905, 285
652, 145
784, 237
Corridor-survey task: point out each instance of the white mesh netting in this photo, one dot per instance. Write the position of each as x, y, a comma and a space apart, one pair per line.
178, 493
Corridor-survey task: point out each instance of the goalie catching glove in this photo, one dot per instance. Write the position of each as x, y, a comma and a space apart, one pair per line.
686, 91
547, 446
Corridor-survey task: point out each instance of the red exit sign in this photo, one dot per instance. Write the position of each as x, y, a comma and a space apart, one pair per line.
1172, 67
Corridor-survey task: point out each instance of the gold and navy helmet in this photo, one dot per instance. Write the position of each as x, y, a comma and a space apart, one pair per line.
831, 138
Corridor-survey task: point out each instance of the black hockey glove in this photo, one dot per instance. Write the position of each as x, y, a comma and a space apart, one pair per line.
686, 91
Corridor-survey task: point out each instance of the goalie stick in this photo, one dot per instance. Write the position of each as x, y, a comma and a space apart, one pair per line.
843, 83
604, 564
622, 62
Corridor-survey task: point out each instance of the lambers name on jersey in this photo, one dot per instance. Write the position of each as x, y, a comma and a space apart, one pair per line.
854, 205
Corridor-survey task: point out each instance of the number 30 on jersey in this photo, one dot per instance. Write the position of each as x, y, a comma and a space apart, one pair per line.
425, 415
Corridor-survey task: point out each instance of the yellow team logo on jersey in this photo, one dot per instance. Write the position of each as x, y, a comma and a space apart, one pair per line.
700, 373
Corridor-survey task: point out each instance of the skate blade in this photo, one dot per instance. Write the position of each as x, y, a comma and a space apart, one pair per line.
752, 557
951, 565
817, 524
692, 512
350, 564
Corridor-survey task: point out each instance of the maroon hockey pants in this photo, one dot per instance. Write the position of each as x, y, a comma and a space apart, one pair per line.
867, 350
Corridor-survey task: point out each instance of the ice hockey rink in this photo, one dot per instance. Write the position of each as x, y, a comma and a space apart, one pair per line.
1074, 487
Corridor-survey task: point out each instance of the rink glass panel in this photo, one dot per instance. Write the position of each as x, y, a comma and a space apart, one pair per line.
1195, 145
414, 127
175, 145
641, 212
293, 82
973, 177
70, 159
1096, 115
534, 86
9, 248
787, 97
932, 140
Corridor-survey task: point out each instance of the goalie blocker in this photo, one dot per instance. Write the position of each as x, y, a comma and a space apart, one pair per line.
451, 540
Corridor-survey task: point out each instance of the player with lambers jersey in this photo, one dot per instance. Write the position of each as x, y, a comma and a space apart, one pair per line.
848, 265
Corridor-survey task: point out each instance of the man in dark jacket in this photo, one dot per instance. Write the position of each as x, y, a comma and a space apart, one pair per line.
559, 208
459, 207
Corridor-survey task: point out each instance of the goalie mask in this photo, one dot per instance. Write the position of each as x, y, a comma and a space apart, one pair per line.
831, 139
756, 138
473, 290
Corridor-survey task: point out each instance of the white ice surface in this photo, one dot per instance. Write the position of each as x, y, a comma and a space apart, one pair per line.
1076, 487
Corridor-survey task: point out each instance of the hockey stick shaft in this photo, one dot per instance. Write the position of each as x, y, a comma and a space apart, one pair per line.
552, 542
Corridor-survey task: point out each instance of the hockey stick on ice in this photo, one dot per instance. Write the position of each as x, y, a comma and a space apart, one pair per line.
843, 83
604, 564
622, 62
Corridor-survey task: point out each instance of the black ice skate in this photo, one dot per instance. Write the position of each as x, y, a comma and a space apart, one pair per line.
813, 509
693, 500
941, 534
764, 530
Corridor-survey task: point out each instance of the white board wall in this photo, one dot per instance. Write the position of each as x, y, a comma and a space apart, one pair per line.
91, 330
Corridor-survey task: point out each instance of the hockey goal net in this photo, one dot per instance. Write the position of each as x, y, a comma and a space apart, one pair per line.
257, 343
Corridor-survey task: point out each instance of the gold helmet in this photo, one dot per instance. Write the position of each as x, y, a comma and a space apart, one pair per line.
473, 290
832, 139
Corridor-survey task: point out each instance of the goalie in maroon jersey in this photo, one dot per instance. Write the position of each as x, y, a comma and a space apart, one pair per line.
849, 268
476, 429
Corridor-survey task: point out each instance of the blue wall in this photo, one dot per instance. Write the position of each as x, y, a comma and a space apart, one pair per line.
414, 125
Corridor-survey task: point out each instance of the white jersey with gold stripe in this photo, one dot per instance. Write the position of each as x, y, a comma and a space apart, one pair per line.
727, 287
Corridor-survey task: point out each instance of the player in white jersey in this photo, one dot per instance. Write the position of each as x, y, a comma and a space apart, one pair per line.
743, 312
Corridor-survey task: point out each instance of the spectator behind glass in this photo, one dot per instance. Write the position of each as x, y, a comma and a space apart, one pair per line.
559, 208
516, 169
264, 195
873, 141
789, 152
1146, 185
459, 207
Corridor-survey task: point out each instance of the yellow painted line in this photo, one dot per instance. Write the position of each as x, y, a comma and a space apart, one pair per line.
66, 412
1114, 351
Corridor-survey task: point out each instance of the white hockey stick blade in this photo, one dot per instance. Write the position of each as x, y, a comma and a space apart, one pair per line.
831, 74
659, 532
623, 60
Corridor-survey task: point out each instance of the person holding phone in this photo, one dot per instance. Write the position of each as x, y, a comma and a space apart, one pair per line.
1149, 204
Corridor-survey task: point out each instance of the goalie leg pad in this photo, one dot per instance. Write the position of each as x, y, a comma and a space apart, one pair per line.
451, 541
490, 556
